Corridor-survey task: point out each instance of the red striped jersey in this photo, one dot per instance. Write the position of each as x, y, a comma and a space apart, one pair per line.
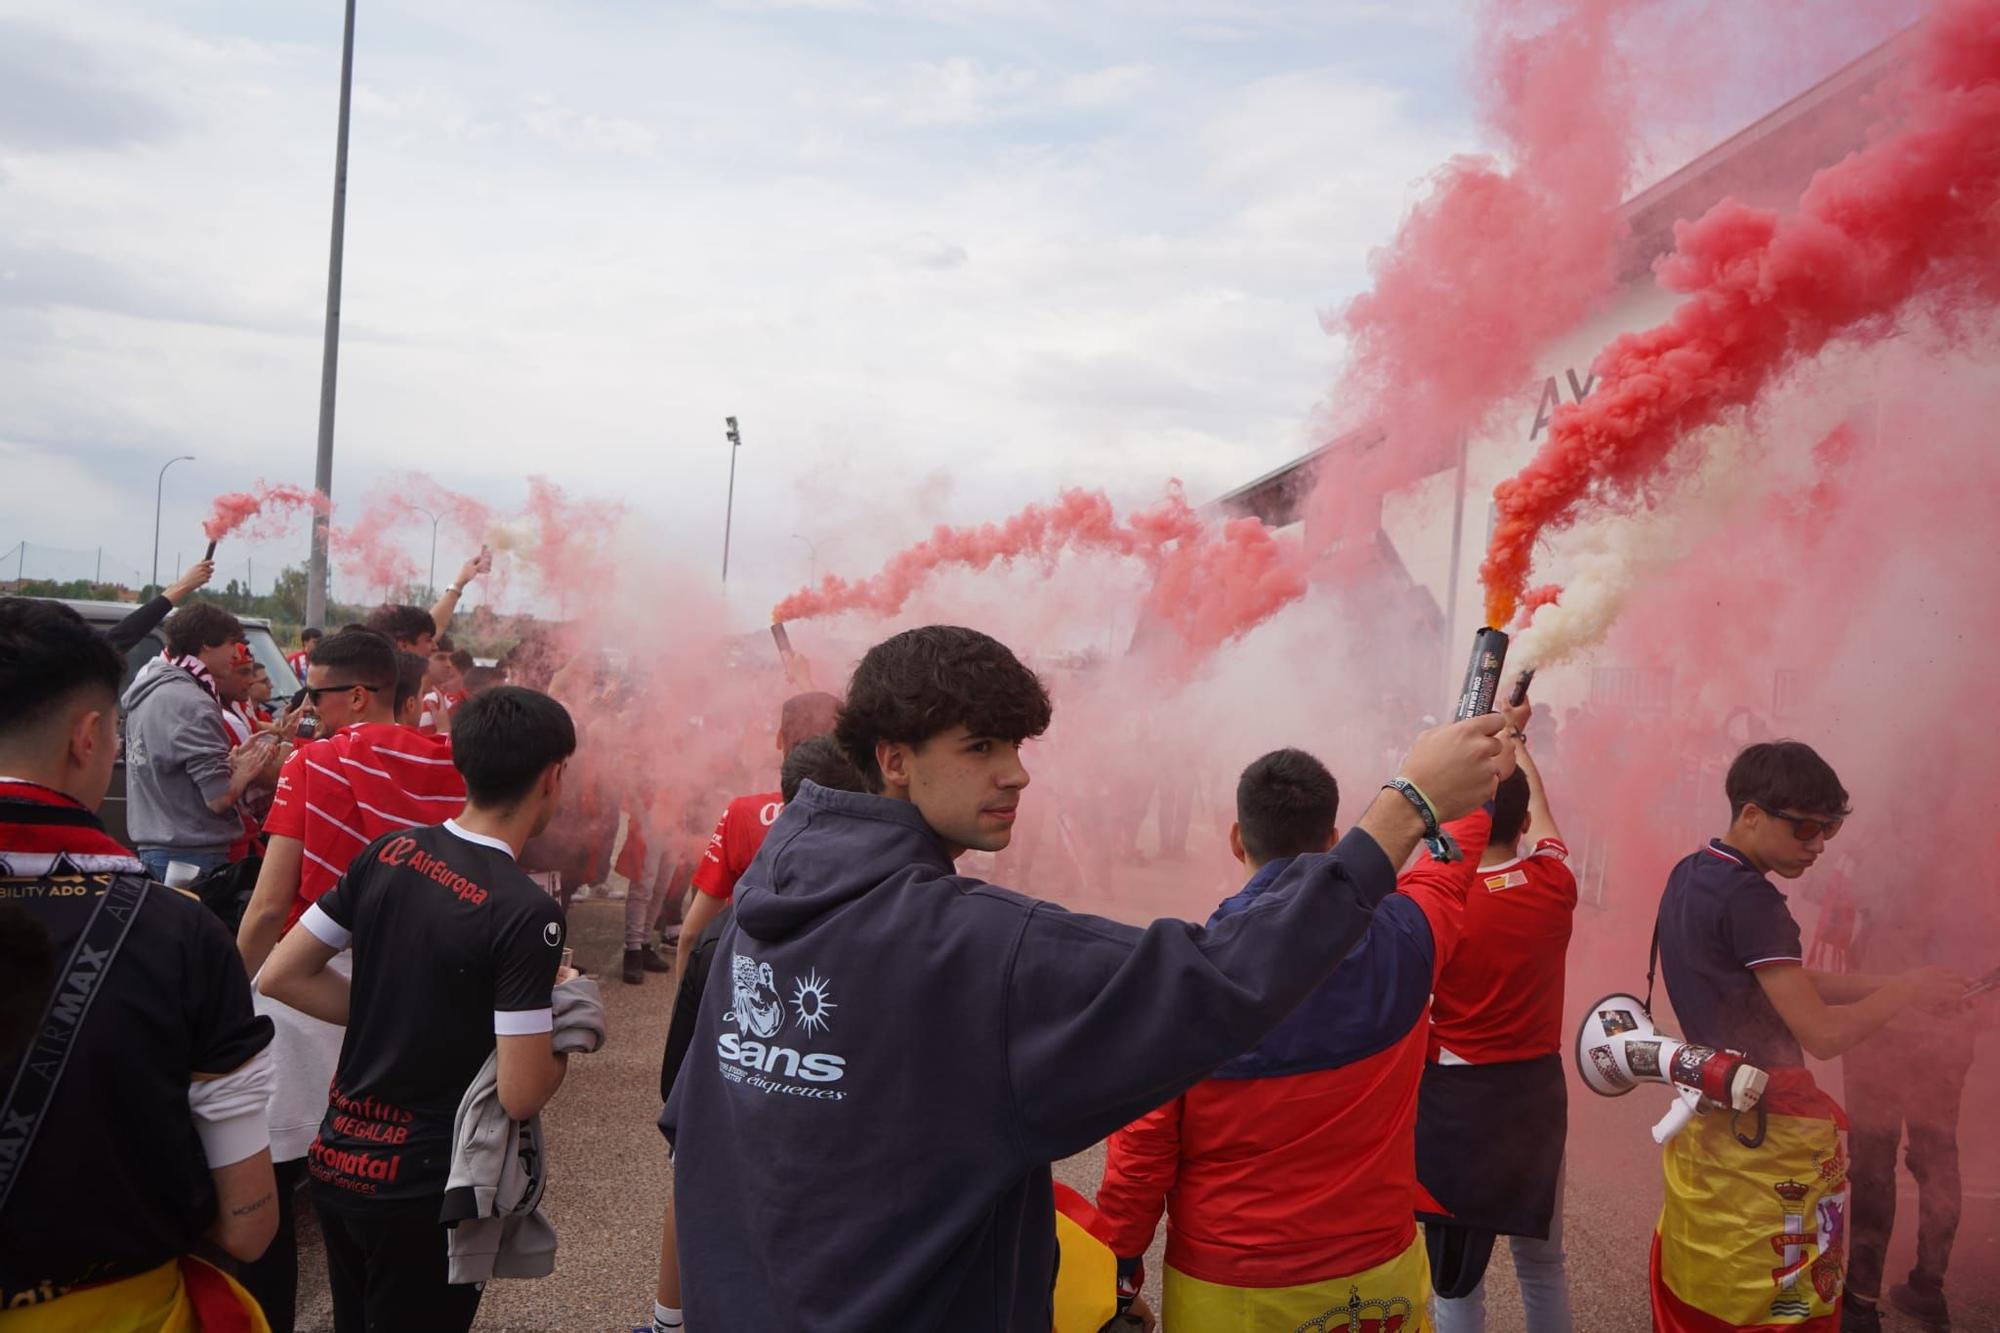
338, 794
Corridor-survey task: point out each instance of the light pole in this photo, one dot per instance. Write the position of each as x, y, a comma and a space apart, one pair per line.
330, 355
813, 559
729, 509
430, 584
159, 488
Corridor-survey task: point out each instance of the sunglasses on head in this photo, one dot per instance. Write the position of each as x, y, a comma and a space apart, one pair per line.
1805, 828
314, 692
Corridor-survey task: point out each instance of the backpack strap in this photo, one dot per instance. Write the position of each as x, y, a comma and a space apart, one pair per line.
76, 989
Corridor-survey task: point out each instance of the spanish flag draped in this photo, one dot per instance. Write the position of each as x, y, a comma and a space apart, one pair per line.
182, 1296
1755, 1238
1086, 1269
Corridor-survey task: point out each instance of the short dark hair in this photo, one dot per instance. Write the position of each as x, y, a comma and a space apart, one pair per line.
1784, 775
444, 644
1286, 805
1510, 807
505, 738
361, 655
47, 655
402, 624
914, 685
823, 761
806, 716
200, 625
461, 660
410, 672
310, 634
483, 678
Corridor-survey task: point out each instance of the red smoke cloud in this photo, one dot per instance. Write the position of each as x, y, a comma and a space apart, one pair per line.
1913, 215
1211, 583
1495, 260
276, 503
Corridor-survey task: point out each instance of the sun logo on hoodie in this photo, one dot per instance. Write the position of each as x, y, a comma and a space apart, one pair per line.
809, 998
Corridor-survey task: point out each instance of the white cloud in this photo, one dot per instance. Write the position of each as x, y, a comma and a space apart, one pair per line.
983, 246
582, 131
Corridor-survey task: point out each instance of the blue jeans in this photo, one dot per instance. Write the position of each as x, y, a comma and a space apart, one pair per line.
155, 860
1543, 1273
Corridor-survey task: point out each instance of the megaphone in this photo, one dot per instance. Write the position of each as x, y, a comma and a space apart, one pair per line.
1618, 1048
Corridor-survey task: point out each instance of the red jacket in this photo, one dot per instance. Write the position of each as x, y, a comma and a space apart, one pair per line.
1296, 1162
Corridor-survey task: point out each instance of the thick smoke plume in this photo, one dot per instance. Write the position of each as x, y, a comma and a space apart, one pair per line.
268, 510
1211, 582
1502, 254
1912, 218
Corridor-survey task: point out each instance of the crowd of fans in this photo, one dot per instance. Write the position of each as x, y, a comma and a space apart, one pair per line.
332, 968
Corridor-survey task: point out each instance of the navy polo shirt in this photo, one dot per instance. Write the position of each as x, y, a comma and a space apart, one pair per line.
1720, 921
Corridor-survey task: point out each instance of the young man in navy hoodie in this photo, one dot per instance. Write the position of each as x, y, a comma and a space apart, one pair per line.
890, 1055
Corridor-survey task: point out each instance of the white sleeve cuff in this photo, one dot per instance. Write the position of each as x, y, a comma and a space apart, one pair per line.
325, 929
232, 1112
523, 1022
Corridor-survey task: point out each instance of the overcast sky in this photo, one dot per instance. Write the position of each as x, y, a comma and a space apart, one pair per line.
940, 258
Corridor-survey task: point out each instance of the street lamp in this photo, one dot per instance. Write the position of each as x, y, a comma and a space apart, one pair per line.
430, 584
729, 509
813, 559
158, 488
317, 583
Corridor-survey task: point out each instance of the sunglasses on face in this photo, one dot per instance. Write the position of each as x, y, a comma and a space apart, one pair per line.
313, 693
1806, 828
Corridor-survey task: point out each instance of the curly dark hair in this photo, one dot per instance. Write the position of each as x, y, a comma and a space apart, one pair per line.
401, 624
1784, 775
200, 625
819, 760
925, 681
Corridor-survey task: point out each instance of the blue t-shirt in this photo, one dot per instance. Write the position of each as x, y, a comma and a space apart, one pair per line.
1720, 920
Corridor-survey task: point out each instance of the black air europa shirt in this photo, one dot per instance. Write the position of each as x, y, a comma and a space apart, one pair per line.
453, 945
116, 1182
1719, 922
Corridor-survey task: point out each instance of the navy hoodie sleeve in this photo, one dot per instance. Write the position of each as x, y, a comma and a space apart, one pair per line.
1105, 1021
125, 635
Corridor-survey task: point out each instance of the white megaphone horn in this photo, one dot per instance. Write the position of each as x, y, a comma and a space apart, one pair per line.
1618, 1048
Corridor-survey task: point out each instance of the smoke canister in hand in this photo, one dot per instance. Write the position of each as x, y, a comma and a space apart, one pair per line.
782, 637
1521, 683
1482, 674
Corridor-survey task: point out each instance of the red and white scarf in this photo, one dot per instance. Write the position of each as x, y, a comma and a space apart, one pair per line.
45, 832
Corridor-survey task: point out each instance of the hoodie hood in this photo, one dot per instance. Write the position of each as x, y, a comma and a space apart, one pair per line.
828, 848
160, 674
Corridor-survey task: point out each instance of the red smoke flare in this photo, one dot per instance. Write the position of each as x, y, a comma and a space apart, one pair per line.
1537, 598
232, 511
1210, 583
1914, 215
1498, 258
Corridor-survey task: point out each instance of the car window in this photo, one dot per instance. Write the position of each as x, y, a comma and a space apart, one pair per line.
142, 652
265, 649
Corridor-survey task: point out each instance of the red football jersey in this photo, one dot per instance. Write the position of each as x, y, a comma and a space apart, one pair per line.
733, 845
338, 794
1501, 996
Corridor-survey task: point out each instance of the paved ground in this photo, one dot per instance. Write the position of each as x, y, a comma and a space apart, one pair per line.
609, 1176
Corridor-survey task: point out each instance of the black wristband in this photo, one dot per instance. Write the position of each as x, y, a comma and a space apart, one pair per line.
1410, 792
